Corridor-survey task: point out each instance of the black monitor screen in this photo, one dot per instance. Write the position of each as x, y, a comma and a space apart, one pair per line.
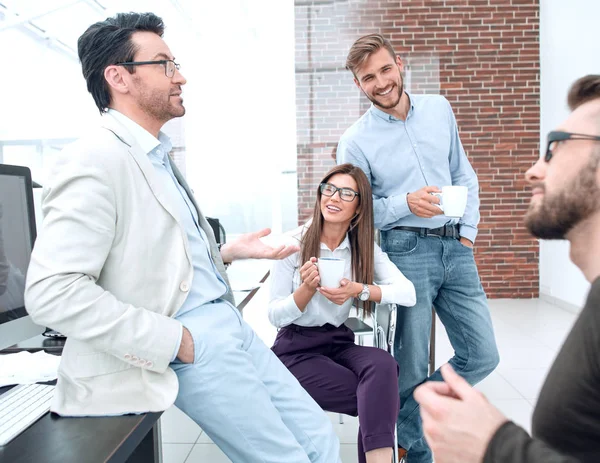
17, 233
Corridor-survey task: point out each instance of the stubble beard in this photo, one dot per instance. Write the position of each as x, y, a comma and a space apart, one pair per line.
399, 87
558, 214
154, 104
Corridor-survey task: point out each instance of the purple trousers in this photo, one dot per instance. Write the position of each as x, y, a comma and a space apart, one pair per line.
345, 378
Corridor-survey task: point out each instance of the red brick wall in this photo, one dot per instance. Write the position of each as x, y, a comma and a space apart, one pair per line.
483, 55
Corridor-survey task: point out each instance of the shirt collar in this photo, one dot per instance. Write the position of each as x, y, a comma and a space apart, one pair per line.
343, 245
145, 139
388, 117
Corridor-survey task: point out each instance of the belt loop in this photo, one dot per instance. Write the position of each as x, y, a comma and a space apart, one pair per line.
423, 232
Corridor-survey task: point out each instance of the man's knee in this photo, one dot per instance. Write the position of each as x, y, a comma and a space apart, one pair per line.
480, 364
490, 360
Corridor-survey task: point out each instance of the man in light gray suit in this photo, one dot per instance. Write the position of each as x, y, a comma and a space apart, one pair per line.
128, 269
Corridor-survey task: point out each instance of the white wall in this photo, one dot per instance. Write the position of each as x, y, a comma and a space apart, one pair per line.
239, 132
241, 129
569, 49
43, 92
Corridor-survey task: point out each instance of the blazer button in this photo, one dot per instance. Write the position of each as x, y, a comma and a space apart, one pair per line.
149, 364
127, 356
184, 286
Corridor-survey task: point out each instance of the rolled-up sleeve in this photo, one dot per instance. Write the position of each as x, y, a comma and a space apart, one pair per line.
395, 287
282, 307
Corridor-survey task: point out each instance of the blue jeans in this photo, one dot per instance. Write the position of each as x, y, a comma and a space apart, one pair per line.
445, 277
244, 398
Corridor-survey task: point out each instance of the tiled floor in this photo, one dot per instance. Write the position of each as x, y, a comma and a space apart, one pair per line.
529, 334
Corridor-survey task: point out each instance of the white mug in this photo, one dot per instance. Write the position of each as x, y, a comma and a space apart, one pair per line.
453, 200
331, 271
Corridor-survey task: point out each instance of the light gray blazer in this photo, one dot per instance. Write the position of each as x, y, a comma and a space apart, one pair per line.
110, 268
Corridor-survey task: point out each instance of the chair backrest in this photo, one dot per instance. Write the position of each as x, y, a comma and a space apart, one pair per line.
384, 326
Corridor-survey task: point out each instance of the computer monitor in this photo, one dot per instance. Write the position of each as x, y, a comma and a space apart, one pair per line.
17, 235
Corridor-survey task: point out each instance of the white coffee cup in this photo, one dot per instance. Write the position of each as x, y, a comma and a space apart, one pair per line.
331, 271
453, 200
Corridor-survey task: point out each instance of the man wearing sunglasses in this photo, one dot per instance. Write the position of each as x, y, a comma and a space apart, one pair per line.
460, 424
128, 269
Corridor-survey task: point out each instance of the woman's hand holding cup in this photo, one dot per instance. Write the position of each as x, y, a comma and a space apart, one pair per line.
309, 273
347, 290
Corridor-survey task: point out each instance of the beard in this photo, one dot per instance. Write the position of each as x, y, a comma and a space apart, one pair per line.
398, 87
556, 215
159, 105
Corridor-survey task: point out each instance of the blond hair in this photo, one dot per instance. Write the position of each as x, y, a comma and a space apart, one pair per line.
365, 47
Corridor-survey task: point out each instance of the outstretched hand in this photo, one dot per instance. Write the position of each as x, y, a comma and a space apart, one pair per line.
249, 246
458, 421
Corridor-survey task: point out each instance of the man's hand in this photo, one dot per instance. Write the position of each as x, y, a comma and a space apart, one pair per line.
466, 242
309, 273
458, 421
249, 246
423, 204
186, 348
340, 295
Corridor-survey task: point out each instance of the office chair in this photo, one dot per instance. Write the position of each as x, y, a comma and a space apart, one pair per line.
359, 327
218, 230
383, 331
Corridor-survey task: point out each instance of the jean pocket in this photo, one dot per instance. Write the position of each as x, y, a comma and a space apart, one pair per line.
469, 248
400, 243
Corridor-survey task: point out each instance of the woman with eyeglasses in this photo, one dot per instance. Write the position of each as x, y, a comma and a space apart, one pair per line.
313, 341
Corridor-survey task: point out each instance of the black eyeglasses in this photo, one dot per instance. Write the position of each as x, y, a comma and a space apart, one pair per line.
168, 64
556, 137
346, 194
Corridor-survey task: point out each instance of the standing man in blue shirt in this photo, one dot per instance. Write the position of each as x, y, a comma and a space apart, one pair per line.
409, 147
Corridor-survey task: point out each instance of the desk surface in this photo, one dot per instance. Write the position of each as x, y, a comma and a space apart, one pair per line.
54, 439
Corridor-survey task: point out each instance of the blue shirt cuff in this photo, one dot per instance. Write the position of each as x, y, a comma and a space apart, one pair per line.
468, 232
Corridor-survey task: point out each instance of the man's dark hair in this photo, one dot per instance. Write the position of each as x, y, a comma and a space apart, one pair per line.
583, 90
109, 42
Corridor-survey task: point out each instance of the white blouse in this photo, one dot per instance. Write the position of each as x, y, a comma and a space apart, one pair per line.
285, 279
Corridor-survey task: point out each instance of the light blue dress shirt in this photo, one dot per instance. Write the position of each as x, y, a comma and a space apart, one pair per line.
207, 284
400, 157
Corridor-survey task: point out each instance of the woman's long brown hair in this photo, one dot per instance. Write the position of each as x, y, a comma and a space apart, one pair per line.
360, 232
